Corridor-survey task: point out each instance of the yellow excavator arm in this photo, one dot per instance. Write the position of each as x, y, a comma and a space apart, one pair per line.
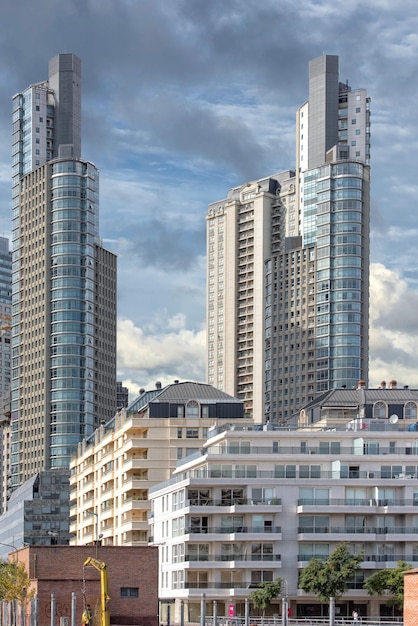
104, 589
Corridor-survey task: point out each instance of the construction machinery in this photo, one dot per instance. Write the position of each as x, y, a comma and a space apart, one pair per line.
104, 589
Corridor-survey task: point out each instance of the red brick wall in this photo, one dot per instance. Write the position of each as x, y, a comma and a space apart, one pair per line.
59, 570
410, 614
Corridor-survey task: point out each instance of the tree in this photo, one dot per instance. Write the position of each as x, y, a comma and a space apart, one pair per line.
14, 582
265, 593
328, 578
389, 580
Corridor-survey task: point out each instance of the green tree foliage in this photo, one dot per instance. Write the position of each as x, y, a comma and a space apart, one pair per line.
328, 578
391, 581
14, 582
265, 593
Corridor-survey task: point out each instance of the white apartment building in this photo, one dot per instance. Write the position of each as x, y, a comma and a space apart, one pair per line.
259, 502
140, 447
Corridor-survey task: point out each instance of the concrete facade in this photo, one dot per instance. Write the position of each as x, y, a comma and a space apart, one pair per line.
258, 503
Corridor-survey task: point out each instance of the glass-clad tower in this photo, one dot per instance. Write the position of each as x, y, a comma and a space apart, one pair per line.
319, 317
64, 281
288, 262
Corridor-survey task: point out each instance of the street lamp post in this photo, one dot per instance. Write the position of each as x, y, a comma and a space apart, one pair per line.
285, 602
96, 515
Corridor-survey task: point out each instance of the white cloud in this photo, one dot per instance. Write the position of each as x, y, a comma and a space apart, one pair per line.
165, 352
393, 328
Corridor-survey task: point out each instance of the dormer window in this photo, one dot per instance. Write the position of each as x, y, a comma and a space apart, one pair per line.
410, 411
380, 410
192, 408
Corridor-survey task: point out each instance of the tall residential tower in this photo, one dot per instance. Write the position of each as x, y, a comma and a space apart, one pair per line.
64, 281
288, 262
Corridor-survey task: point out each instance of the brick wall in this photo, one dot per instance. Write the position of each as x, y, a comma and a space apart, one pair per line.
410, 615
59, 570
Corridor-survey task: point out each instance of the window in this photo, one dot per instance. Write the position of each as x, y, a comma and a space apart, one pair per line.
313, 495
356, 496
129, 592
262, 552
232, 524
192, 433
198, 552
327, 447
198, 497
261, 576
379, 409
314, 524
410, 411
309, 471
180, 411
192, 408
310, 551
231, 551
232, 496
261, 495
285, 471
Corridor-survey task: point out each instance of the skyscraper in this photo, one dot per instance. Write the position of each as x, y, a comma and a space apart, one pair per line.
288, 262
64, 281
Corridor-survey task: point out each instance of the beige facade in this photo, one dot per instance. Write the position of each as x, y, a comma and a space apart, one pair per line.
242, 232
115, 468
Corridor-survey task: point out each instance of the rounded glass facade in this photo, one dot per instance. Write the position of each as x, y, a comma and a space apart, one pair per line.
73, 235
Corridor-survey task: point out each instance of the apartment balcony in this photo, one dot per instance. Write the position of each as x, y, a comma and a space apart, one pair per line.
135, 482
346, 533
136, 463
133, 525
234, 534
106, 513
135, 503
238, 505
386, 561
220, 590
236, 561
363, 505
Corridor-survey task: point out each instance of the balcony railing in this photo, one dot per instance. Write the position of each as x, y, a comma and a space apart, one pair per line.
231, 502
206, 530
192, 558
356, 502
395, 530
375, 558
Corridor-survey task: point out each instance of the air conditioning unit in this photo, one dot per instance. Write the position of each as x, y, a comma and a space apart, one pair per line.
370, 474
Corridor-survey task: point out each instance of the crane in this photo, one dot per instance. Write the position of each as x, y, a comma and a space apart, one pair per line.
104, 589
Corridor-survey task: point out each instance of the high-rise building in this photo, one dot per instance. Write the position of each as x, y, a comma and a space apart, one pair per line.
5, 363
64, 281
288, 262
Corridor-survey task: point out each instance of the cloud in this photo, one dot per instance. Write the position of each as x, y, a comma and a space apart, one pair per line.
166, 351
393, 328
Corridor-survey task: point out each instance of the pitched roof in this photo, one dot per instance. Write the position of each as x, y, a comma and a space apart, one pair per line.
183, 392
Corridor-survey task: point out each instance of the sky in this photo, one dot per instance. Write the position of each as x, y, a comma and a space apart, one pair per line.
184, 99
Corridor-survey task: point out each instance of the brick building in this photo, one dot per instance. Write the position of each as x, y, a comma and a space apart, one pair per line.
59, 570
410, 609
